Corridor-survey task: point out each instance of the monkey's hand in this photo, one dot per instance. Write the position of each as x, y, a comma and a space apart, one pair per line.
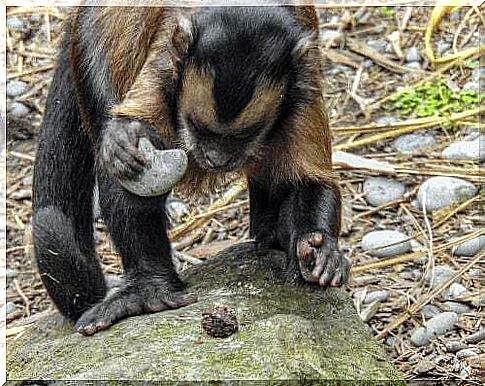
320, 260
118, 153
153, 295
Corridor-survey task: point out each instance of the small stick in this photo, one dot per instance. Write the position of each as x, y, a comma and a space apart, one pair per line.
426, 299
22, 295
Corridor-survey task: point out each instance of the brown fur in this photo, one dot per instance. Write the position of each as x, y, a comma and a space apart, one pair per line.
304, 154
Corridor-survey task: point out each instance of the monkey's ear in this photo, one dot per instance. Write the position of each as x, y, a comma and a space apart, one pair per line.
182, 38
307, 41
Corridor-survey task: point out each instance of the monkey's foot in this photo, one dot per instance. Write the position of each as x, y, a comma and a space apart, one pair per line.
320, 261
119, 153
130, 301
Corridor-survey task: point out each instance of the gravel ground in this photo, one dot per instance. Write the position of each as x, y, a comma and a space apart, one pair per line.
421, 295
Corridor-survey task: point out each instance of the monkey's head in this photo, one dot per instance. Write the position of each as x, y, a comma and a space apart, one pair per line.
235, 66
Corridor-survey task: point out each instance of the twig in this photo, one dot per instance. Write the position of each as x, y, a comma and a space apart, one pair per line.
426, 299
30, 72
198, 221
414, 255
25, 299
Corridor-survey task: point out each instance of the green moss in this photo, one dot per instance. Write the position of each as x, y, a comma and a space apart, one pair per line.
433, 98
297, 333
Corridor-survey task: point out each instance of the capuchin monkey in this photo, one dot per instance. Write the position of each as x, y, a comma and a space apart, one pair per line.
237, 88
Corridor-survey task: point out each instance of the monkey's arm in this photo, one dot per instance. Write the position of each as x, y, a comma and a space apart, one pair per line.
309, 215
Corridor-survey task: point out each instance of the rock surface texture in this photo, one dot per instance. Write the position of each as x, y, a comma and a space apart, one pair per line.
286, 332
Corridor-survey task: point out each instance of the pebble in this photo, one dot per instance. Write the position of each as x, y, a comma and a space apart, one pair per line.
15, 23
454, 291
410, 143
455, 345
10, 308
330, 34
466, 353
166, 168
470, 247
18, 110
413, 55
378, 44
429, 311
381, 295
440, 274
436, 326
472, 86
376, 239
177, 209
459, 308
442, 192
380, 190
369, 312
465, 150
16, 88
11, 273
476, 337
478, 73
413, 65
442, 47
385, 120
335, 20
424, 366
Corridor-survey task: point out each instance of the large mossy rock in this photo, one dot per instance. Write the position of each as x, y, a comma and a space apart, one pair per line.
286, 333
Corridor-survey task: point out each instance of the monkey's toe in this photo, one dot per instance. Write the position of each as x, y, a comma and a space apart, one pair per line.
320, 261
130, 301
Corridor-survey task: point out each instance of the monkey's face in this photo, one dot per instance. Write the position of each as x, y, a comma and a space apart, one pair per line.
223, 132
234, 66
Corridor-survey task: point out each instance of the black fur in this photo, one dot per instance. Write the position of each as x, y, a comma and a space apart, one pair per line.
79, 142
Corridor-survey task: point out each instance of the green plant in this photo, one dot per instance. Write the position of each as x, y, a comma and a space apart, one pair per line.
433, 99
387, 11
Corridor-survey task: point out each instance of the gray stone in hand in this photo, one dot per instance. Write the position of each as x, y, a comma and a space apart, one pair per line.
164, 169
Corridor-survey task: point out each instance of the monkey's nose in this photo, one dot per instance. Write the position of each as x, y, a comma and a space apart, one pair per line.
216, 160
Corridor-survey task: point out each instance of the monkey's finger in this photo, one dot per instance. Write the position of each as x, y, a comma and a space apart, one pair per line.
130, 160
121, 170
131, 150
180, 300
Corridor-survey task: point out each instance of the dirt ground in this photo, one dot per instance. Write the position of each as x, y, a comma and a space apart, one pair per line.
369, 56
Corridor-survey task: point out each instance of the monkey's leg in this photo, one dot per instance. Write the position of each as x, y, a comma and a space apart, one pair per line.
137, 226
309, 225
263, 215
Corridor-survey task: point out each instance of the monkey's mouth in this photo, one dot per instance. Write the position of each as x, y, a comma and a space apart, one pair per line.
225, 165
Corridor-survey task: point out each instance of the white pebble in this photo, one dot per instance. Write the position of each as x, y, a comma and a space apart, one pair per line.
454, 291
470, 247
429, 311
381, 295
476, 337
11, 273
439, 274
413, 65
380, 190
410, 143
377, 243
413, 55
438, 325
441, 324
455, 345
10, 308
16, 88
369, 312
177, 209
329, 34
465, 150
442, 192
18, 110
466, 353
457, 307
472, 86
